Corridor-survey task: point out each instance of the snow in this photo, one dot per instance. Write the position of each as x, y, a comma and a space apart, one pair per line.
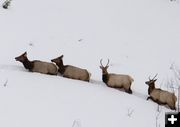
141, 38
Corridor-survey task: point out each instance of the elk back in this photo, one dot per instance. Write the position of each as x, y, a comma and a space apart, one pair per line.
76, 73
44, 67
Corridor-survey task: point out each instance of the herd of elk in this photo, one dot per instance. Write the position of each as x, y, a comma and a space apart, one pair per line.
110, 79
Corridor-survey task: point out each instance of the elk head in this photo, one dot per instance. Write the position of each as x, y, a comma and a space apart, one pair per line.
151, 81
22, 57
104, 68
58, 60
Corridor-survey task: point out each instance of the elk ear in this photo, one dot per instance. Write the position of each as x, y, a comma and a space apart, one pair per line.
25, 54
61, 56
101, 67
155, 80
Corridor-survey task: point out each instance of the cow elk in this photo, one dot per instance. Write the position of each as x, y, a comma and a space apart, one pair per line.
159, 96
72, 72
37, 66
116, 80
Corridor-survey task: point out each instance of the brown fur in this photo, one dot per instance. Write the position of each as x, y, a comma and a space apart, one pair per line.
37, 66
159, 96
116, 80
72, 72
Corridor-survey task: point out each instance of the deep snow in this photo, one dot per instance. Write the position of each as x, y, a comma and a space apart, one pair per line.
141, 38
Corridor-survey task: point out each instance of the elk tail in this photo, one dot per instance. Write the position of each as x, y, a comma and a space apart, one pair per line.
132, 80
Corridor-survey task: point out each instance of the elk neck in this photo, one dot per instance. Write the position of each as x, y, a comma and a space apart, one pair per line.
151, 88
28, 64
105, 77
61, 67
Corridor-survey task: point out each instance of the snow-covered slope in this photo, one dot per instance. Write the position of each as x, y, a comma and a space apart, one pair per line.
140, 37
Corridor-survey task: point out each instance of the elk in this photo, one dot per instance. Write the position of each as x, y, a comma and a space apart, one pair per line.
116, 80
159, 96
37, 66
70, 71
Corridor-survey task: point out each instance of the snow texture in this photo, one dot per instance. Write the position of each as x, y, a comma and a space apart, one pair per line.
140, 37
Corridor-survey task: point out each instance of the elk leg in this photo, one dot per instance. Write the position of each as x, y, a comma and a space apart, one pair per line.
149, 98
87, 80
50, 73
160, 103
172, 107
129, 91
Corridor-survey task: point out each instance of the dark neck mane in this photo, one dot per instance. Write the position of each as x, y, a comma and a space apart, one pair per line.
61, 67
151, 88
105, 78
28, 64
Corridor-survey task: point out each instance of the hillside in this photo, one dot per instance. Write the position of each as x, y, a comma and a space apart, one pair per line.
141, 38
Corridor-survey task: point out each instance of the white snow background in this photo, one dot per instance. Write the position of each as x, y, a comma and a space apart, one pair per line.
140, 37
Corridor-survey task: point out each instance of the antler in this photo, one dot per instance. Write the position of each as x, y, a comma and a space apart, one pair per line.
107, 63
102, 64
155, 76
149, 78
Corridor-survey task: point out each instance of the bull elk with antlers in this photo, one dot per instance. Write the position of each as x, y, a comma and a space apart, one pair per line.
116, 80
159, 96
